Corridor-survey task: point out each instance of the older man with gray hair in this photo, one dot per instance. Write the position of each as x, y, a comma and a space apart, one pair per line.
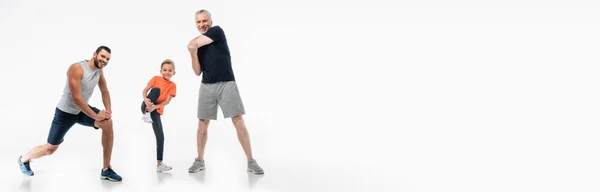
211, 58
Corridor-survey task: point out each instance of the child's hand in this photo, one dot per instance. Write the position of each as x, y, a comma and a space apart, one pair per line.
151, 108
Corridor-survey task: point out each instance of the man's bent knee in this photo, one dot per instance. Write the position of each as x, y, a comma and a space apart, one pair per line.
50, 149
106, 124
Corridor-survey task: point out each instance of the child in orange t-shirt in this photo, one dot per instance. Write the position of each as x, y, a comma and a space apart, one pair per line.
162, 90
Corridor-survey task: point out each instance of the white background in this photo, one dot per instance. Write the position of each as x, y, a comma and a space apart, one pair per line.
340, 96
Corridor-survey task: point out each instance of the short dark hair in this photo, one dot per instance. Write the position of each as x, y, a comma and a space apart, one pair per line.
101, 48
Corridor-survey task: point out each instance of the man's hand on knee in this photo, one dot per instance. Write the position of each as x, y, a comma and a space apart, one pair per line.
103, 115
103, 123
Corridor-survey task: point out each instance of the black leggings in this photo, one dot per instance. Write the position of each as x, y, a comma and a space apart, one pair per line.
156, 123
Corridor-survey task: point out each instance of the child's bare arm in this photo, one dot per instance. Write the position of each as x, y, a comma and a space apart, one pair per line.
164, 103
145, 95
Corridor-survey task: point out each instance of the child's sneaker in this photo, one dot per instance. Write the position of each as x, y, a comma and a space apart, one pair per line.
146, 117
162, 167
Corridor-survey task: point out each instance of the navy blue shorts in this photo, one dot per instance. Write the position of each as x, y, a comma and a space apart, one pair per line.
63, 121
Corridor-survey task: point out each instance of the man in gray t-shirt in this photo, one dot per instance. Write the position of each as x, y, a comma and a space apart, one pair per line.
73, 107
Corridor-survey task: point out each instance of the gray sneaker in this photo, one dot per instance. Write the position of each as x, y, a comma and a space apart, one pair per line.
197, 166
254, 168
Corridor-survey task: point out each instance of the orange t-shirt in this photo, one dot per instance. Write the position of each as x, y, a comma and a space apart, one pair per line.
166, 88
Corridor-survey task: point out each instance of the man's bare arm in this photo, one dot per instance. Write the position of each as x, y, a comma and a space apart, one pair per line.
196, 65
74, 74
193, 49
105, 94
193, 46
203, 40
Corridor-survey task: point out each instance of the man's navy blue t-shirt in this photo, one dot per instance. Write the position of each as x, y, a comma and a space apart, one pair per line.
215, 59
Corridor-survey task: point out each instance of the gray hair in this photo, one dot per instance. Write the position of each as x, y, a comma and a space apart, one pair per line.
204, 11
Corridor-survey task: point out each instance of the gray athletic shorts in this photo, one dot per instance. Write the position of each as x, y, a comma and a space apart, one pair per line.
221, 94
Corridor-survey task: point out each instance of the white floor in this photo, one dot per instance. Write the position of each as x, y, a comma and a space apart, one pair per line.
219, 177
421, 156
291, 163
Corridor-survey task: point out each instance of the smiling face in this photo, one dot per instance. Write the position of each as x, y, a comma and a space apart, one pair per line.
203, 21
167, 70
101, 58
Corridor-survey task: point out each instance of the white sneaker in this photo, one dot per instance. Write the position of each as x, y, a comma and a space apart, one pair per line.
162, 167
146, 117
